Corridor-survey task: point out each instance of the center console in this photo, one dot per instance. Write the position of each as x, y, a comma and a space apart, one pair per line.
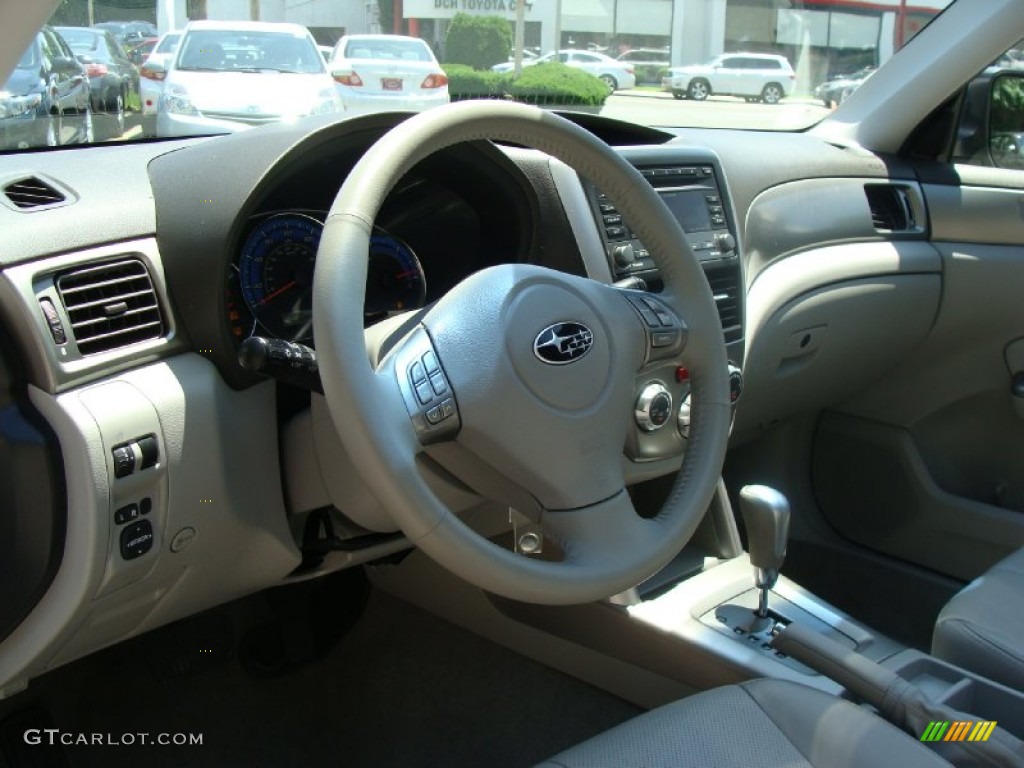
691, 183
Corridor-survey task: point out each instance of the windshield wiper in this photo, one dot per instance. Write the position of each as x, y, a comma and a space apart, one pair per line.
202, 69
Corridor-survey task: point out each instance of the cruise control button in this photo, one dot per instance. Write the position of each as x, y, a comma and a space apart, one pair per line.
434, 414
663, 338
649, 317
430, 363
447, 408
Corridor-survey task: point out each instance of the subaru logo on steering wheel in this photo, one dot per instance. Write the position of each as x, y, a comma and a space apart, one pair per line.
563, 342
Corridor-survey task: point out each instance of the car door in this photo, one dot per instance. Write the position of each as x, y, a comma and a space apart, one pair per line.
927, 465
68, 81
726, 75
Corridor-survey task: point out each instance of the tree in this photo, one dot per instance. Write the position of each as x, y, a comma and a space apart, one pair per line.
479, 41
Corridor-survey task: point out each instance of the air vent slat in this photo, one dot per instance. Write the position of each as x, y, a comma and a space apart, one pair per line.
725, 288
111, 305
32, 192
890, 207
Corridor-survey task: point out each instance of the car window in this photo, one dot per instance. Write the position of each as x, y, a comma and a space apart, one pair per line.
385, 49
168, 45
808, 44
226, 50
30, 58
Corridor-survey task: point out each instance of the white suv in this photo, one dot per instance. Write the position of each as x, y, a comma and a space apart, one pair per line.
754, 76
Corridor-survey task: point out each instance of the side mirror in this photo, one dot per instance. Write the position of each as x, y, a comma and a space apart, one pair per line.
991, 125
154, 70
66, 65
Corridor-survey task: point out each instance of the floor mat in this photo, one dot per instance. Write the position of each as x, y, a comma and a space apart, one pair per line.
403, 688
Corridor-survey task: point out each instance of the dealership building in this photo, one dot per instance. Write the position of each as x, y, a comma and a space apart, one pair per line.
819, 36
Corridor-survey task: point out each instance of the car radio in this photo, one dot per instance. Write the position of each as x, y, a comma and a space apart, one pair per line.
693, 195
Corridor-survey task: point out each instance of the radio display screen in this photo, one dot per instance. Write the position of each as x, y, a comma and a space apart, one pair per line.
690, 208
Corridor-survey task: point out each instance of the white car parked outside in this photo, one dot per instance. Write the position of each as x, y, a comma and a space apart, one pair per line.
754, 76
151, 78
384, 73
232, 75
615, 74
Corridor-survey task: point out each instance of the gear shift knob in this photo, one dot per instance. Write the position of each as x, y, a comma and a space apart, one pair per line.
766, 516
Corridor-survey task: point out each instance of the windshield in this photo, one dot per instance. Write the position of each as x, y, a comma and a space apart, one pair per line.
778, 65
245, 50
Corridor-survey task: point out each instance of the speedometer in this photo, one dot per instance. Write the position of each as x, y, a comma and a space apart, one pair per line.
275, 275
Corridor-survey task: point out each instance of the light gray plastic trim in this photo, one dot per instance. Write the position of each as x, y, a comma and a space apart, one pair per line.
968, 214
53, 367
218, 475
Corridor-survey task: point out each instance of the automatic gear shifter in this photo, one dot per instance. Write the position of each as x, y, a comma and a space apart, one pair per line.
766, 516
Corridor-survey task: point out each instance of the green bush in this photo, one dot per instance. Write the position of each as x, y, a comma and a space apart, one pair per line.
479, 41
1007, 111
464, 82
554, 83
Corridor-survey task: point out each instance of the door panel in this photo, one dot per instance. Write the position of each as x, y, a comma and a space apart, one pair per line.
928, 463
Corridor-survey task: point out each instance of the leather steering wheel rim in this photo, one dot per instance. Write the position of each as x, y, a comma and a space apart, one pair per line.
607, 547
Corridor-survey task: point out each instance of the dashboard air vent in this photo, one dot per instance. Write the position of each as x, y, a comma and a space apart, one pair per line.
110, 305
32, 192
890, 207
725, 287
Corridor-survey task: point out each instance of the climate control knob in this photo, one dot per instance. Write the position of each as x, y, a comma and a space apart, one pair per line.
653, 407
624, 255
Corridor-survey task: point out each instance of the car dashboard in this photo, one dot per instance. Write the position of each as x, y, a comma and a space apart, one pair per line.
178, 480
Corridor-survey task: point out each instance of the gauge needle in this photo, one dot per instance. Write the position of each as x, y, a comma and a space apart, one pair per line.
279, 291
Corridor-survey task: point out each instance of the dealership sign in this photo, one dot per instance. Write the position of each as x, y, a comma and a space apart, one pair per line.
446, 9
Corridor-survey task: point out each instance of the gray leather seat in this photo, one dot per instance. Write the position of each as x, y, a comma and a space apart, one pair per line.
763, 723
982, 627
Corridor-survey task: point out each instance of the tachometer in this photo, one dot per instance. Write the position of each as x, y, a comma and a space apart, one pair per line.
395, 281
276, 274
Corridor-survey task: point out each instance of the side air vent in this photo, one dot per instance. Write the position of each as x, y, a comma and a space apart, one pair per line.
890, 207
110, 305
32, 192
725, 287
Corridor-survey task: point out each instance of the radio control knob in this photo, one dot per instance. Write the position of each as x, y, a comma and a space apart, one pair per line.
623, 254
726, 242
653, 408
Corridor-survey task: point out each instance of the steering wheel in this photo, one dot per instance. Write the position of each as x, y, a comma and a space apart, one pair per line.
531, 373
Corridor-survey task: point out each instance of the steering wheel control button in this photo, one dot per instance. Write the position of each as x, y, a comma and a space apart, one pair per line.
438, 384
426, 390
417, 373
653, 407
664, 338
126, 514
424, 393
563, 343
136, 539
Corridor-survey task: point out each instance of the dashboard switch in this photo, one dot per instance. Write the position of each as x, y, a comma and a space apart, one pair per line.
126, 514
150, 451
136, 539
124, 460
653, 407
